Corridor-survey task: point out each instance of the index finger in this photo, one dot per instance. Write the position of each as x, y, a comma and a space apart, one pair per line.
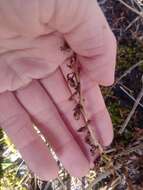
19, 127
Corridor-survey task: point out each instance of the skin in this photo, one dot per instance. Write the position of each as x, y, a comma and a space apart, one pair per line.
32, 84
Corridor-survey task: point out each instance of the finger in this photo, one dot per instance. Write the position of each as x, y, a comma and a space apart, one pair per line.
97, 111
18, 126
101, 66
39, 105
57, 87
95, 107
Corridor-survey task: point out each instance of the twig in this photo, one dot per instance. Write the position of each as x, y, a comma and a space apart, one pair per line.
131, 8
134, 21
62, 184
115, 183
96, 143
128, 71
47, 186
129, 150
35, 182
138, 4
19, 167
103, 176
22, 180
103, 2
130, 96
110, 151
85, 114
73, 81
132, 111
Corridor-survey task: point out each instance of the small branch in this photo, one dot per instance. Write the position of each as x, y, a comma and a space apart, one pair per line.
128, 71
115, 183
85, 114
73, 80
102, 176
19, 167
62, 184
102, 2
134, 21
131, 8
130, 96
129, 151
48, 184
139, 4
132, 111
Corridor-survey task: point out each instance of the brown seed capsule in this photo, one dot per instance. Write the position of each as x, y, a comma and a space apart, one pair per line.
73, 95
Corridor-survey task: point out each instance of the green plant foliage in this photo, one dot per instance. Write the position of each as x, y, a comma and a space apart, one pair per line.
10, 179
2, 142
129, 53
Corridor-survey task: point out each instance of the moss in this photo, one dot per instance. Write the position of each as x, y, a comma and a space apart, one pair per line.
127, 136
141, 67
129, 53
117, 112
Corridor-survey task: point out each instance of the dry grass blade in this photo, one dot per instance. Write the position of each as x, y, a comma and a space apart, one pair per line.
140, 13
47, 186
132, 111
62, 184
129, 150
128, 71
102, 176
115, 183
135, 20
130, 96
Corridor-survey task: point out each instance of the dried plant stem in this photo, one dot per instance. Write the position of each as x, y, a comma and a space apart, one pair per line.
23, 179
47, 186
132, 111
115, 183
128, 71
138, 4
130, 96
129, 151
103, 2
93, 136
73, 81
62, 184
103, 175
134, 21
131, 8
86, 117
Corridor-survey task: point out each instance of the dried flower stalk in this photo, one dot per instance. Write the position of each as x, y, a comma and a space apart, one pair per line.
73, 79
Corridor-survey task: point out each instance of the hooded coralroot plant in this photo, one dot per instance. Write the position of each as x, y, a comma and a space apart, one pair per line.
79, 111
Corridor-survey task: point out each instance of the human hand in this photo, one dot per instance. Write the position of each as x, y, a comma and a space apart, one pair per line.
32, 80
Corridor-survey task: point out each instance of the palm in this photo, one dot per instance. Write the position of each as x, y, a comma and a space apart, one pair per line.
40, 69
